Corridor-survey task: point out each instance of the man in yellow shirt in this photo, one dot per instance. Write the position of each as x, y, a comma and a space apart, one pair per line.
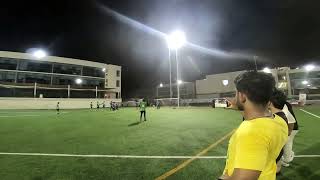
256, 144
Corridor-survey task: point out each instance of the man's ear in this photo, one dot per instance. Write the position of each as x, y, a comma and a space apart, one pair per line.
270, 104
242, 97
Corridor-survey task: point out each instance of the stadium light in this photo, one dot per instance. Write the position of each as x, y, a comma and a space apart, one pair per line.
78, 81
309, 85
161, 85
179, 82
309, 67
267, 70
176, 39
304, 82
104, 69
39, 54
225, 82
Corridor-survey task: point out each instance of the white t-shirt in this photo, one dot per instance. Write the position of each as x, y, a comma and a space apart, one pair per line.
291, 119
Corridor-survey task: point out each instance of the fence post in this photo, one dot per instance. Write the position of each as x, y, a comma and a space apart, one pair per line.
96, 92
35, 90
69, 91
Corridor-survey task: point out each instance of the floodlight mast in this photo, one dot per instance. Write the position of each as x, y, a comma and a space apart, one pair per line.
175, 41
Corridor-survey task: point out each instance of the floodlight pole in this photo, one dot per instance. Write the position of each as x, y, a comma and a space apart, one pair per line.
170, 83
178, 89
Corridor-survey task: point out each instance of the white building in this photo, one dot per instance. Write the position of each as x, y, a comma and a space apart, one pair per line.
24, 75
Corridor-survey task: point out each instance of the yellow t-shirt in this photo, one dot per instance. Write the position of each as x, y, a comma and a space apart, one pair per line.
256, 144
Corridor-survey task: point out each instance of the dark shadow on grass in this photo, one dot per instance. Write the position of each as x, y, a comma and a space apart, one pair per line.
134, 124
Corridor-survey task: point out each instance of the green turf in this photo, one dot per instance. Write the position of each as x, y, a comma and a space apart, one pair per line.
167, 132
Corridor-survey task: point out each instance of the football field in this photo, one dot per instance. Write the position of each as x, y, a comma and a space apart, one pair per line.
186, 143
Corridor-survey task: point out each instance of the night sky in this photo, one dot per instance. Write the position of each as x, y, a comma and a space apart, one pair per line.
279, 32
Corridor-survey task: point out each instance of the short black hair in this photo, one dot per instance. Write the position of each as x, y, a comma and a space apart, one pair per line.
278, 99
258, 86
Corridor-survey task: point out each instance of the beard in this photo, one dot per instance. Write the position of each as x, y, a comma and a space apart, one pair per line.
239, 105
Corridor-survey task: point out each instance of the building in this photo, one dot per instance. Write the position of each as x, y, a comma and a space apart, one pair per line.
296, 81
217, 85
24, 75
291, 81
187, 90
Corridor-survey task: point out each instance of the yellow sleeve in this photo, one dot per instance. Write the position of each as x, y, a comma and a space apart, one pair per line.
251, 150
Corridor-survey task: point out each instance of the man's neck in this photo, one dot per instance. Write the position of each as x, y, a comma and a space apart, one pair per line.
252, 112
274, 110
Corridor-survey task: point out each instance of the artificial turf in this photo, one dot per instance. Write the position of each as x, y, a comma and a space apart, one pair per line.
167, 132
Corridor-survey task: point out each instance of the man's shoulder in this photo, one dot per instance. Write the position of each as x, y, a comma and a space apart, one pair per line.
255, 127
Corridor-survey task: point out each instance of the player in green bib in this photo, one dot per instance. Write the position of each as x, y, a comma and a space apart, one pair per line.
142, 107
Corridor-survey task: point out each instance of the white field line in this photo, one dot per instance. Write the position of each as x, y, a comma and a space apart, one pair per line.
310, 113
131, 156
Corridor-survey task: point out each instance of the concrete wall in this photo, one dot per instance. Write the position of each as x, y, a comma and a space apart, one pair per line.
50, 103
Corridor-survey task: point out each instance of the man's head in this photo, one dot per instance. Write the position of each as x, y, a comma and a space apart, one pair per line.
278, 99
253, 87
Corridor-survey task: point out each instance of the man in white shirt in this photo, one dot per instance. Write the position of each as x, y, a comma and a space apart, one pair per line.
288, 153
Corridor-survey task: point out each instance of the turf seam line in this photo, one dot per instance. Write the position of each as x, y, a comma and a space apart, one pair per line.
26, 115
187, 162
131, 156
310, 113
112, 156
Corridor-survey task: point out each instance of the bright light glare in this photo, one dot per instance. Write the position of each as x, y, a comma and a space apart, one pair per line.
78, 81
225, 82
176, 39
309, 67
308, 85
179, 82
39, 54
161, 85
104, 69
305, 82
266, 70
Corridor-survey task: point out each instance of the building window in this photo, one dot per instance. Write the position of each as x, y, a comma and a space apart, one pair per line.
7, 76
67, 69
118, 73
92, 71
33, 77
8, 63
118, 83
36, 66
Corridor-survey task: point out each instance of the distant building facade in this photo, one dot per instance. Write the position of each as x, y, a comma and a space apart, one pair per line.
23, 75
291, 81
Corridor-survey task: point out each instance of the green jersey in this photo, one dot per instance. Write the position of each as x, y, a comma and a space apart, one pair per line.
143, 106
